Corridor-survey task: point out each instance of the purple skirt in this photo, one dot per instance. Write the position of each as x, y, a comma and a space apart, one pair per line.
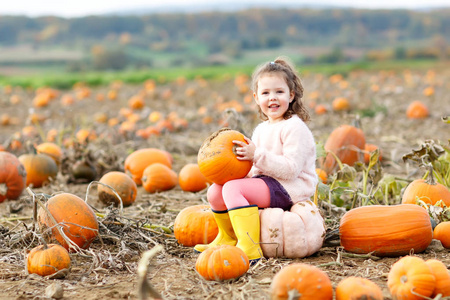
279, 197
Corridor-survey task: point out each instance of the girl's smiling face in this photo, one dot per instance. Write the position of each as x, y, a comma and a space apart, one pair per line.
273, 96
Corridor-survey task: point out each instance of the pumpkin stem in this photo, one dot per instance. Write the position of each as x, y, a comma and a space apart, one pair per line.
404, 279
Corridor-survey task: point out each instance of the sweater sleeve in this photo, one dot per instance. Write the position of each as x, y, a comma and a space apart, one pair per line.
297, 151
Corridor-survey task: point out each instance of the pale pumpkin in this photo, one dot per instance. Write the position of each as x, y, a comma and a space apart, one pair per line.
217, 157
195, 225
301, 281
411, 278
12, 176
293, 234
46, 260
358, 288
386, 230
222, 263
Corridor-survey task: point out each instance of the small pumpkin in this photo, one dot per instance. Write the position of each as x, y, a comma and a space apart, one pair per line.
40, 168
217, 157
122, 184
48, 259
417, 110
52, 150
442, 233
136, 162
358, 288
340, 104
12, 176
293, 234
158, 177
429, 191
386, 230
195, 225
323, 176
347, 143
77, 218
411, 278
222, 263
190, 179
442, 277
301, 281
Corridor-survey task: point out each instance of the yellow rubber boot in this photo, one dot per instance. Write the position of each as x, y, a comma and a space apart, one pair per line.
226, 234
247, 228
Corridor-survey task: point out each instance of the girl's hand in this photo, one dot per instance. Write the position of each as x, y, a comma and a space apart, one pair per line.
245, 151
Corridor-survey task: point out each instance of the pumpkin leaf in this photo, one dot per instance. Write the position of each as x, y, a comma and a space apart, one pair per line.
346, 174
374, 158
320, 150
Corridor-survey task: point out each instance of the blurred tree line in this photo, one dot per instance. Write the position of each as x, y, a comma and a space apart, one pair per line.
383, 34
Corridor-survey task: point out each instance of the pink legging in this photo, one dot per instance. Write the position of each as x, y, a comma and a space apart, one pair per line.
239, 192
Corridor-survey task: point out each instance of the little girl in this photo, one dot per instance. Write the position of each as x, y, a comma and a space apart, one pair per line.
283, 153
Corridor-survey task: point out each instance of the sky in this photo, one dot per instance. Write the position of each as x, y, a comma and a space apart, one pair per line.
78, 8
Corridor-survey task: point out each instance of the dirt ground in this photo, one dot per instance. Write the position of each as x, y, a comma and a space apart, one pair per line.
109, 268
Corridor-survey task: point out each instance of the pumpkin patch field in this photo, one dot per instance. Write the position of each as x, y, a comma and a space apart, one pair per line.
93, 181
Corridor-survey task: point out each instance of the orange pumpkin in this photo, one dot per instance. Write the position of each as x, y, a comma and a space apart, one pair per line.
190, 179
346, 142
322, 175
52, 150
442, 277
12, 176
305, 281
411, 278
46, 260
158, 177
195, 225
217, 158
368, 149
427, 191
40, 168
386, 230
222, 263
354, 288
76, 217
136, 162
442, 233
122, 184
417, 110
340, 104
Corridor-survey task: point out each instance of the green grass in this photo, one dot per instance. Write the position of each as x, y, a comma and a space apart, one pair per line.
65, 80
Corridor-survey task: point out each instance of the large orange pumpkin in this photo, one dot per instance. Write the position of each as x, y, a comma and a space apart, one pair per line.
411, 278
427, 191
195, 225
122, 184
222, 263
305, 281
46, 260
386, 230
158, 177
347, 143
12, 176
442, 277
358, 288
217, 158
40, 168
136, 162
190, 179
77, 219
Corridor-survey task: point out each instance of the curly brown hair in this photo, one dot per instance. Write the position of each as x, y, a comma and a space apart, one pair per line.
283, 66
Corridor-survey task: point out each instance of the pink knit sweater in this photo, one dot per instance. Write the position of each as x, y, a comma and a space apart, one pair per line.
286, 151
